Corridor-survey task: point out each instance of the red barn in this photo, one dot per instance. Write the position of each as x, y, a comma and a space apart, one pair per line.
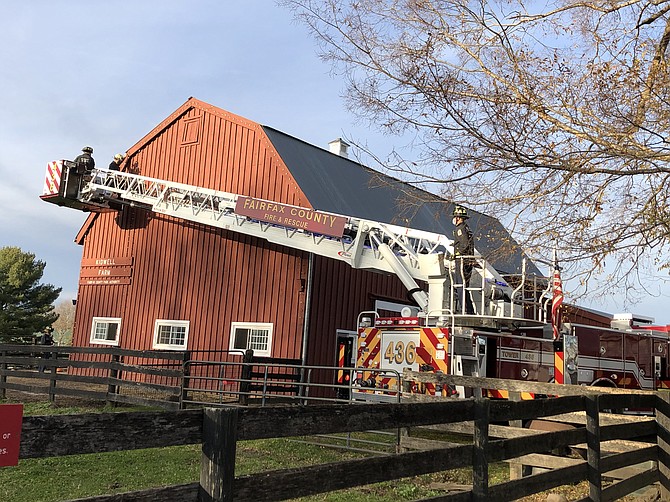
151, 281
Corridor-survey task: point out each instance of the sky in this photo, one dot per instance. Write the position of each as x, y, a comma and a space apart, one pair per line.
104, 73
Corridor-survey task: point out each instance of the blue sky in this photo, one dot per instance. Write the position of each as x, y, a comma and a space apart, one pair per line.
104, 73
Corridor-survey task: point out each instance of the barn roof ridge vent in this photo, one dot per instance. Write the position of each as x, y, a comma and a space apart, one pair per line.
339, 147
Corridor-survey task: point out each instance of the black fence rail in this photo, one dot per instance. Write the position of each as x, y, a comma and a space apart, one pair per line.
219, 430
240, 377
168, 379
149, 378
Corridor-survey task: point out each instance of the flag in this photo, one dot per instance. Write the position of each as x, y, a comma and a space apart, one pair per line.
556, 303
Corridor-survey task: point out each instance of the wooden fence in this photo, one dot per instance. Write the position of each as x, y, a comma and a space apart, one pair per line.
148, 378
220, 429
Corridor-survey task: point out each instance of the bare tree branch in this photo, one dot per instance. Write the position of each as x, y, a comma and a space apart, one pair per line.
555, 119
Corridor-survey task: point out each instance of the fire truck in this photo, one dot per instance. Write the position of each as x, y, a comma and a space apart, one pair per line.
508, 336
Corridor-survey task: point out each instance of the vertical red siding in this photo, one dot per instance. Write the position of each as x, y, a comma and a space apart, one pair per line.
209, 277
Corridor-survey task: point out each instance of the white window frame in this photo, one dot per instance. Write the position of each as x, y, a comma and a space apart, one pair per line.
234, 326
174, 324
105, 320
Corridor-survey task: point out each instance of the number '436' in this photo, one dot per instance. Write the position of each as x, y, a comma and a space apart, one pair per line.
399, 353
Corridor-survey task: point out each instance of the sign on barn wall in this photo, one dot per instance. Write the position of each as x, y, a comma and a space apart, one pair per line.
112, 270
106, 272
114, 261
106, 281
11, 417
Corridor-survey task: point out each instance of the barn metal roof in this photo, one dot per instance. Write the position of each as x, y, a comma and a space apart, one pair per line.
336, 184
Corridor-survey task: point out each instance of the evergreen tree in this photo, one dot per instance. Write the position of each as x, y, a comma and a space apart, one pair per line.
26, 306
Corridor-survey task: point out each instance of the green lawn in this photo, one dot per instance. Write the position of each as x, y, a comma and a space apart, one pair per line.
78, 476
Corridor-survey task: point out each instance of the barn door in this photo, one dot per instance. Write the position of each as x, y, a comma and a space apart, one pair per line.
347, 349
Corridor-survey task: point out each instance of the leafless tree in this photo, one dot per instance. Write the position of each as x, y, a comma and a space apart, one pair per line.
553, 117
63, 326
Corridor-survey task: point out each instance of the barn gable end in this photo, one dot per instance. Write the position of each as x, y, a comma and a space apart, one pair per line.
174, 270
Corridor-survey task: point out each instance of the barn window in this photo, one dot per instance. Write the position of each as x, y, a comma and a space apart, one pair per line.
105, 330
170, 335
251, 335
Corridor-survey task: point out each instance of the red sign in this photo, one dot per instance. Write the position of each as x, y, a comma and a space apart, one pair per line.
291, 216
104, 281
107, 272
11, 418
114, 261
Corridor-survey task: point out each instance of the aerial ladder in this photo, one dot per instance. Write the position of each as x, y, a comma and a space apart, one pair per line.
411, 254
435, 335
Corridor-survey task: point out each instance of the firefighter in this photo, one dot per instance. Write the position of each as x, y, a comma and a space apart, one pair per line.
46, 339
84, 162
464, 249
114, 165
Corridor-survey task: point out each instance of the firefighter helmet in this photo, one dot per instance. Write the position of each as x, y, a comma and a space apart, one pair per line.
460, 212
87, 149
119, 157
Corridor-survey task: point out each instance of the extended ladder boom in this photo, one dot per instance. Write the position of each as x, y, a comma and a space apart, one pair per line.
408, 253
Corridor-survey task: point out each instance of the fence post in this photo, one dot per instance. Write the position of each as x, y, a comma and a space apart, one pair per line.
3, 375
663, 441
515, 468
480, 466
53, 374
245, 383
113, 374
185, 380
217, 465
594, 476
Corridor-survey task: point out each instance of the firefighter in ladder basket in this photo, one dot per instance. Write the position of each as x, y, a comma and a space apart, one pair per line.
115, 164
464, 249
83, 166
84, 162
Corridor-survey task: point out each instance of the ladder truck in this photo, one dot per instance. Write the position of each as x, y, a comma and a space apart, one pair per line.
436, 334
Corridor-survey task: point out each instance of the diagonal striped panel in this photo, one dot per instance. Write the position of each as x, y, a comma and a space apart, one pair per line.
429, 342
558, 367
340, 363
504, 394
52, 178
368, 356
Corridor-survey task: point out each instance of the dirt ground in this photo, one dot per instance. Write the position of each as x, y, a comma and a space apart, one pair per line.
61, 401
578, 492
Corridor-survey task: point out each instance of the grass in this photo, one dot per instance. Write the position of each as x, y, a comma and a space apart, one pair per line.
78, 476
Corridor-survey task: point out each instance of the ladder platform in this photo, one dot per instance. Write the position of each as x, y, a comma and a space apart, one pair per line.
90, 207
